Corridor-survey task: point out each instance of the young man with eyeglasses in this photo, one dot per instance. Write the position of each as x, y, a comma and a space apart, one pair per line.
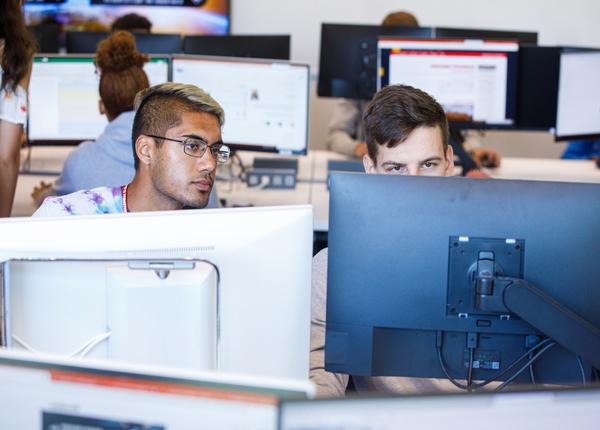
176, 145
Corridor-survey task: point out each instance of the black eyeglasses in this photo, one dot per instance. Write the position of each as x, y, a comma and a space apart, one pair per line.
196, 147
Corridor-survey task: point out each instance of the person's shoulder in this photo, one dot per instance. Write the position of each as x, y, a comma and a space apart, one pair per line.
99, 200
81, 153
320, 259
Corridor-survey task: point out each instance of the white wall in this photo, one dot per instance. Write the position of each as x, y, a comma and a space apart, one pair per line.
558, 22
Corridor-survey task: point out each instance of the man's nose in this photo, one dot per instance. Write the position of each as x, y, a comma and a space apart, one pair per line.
414, 170
207, 162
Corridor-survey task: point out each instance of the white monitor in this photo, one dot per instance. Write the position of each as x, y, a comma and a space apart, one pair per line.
50, 393
475, 81
63, 97
578, 112
263, 261
552, 410
265, 102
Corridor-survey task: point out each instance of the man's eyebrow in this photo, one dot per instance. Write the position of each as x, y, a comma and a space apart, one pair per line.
195, 136
393, 163
435, 158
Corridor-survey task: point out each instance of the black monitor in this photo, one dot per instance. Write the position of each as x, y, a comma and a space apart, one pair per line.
158, 43
475, 81
84, 42
537, 93
348, 59
47, 37
276, 47
523, 37
578, 106
437, 277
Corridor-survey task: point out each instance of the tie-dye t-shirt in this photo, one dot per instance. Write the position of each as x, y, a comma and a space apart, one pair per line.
102, 200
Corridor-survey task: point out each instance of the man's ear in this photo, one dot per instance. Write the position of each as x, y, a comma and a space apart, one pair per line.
145, 148
449, 161
368, 164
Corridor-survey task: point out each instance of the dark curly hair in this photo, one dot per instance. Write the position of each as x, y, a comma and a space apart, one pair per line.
19, 45
122, 74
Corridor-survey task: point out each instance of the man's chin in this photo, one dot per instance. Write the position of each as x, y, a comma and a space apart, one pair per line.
201, 204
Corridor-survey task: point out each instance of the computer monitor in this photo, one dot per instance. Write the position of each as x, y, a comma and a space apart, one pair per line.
50, 393
475, 81
523, 37
47, 37
578, 110
263, 260
437, 277
265, 102
63, 98
550, 409
158, 43
348, 58
537, 94
182, 16
275, 47
84, 42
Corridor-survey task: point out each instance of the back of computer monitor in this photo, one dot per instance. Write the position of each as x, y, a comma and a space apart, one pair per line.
537, 94
348, 58
262, 255
275, 47
158, 43
84, 42
399, 245
47, 37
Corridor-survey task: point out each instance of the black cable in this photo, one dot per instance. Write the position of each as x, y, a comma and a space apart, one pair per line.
470, 370
531, 374
524, 367
445, 370
582, 370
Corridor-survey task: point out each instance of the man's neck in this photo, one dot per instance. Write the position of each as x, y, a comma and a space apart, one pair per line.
142, 196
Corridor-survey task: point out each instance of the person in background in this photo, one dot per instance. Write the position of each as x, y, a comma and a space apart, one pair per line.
132, 22
177, 144
346, 134
16, 52
406, 133
109, 160
582, 150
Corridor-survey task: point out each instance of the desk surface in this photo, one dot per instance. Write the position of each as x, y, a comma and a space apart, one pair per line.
312, 177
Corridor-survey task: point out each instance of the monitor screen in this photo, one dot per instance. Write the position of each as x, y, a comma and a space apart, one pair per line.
578, 113
265, 103
63, 98
252, 46
559, 409
50, 393
456, 277
475, 81
263, 284
348, 58
170, 16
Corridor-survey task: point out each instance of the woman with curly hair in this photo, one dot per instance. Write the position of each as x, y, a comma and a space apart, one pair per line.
16, 52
